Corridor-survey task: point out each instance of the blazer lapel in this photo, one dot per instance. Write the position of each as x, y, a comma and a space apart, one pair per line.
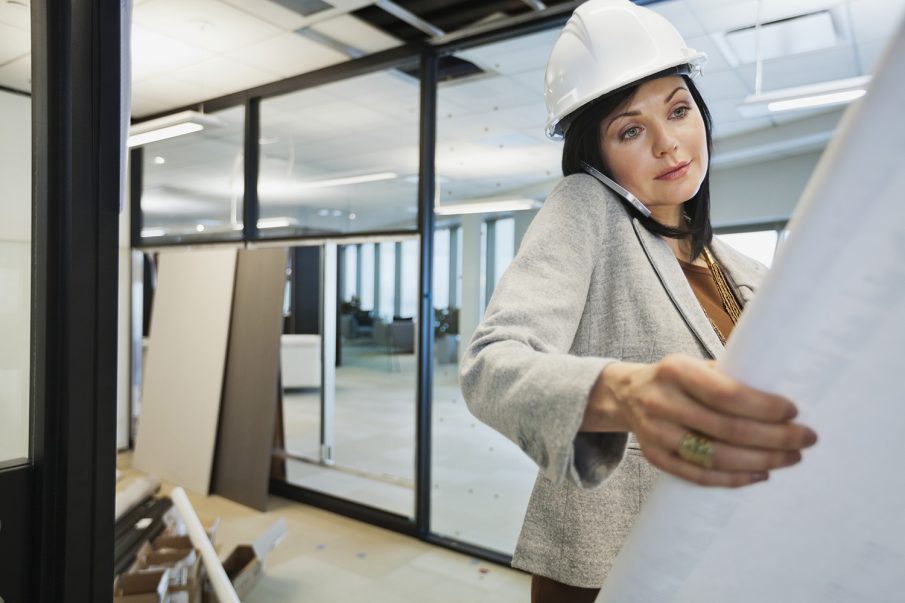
673, 279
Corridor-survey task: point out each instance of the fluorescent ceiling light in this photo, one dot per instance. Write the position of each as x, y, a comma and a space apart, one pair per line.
169, 126
820, 100
346, 181
805, 97
486, 207
275, 222
152, 232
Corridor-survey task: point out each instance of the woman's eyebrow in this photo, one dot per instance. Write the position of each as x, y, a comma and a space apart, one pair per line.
636, 113
673, 93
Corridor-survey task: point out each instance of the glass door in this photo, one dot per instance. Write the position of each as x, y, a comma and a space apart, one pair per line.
351, 434
61, 145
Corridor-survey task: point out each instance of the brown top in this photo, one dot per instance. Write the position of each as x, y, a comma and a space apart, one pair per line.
701, 281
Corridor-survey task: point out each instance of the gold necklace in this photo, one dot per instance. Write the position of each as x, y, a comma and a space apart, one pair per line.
730, 304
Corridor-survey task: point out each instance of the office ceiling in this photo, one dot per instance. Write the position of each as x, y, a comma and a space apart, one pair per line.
490, 123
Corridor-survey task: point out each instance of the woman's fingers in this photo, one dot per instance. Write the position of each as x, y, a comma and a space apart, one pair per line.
672, 464
713, 403
714, 388
726, 457
677, 407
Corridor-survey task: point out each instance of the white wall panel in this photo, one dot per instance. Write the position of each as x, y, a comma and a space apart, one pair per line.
761, 191
184, 367
15, 274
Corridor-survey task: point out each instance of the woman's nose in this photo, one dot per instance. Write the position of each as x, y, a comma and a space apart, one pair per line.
665, 143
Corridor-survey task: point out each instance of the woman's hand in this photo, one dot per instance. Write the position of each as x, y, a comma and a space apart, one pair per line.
751, 431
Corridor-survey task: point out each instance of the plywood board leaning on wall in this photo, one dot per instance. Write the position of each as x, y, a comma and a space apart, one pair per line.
183, 379
251, 384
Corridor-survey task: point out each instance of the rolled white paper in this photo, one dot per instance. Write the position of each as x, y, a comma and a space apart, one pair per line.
215, 572
132, 495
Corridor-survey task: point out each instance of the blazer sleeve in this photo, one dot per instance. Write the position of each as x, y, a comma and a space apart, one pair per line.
517, 373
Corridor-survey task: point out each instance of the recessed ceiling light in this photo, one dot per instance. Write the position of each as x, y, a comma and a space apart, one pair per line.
200, 228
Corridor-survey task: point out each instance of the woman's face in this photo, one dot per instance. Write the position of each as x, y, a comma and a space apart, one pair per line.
655, 145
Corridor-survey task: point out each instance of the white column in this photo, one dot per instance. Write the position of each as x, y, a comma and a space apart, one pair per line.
473, 277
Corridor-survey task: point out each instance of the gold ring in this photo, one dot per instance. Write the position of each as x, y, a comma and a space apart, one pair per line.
697, 449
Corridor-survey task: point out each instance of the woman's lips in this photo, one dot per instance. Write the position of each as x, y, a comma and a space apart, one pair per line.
676, 172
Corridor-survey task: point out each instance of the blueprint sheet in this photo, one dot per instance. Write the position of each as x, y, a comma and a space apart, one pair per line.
827, 330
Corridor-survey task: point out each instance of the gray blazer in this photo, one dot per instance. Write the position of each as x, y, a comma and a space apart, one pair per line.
589, 285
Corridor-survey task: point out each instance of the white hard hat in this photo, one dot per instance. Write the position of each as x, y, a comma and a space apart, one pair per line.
606, 45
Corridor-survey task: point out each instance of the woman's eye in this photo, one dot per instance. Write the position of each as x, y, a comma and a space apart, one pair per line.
680, 112
631, 133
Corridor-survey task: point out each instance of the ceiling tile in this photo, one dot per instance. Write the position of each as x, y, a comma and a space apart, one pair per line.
271, 12
811, 68
174, 91
532, 80
206, 23
287, 54
678, 13
490, 94
514, 56
290, 20
291, 106
523, 117
224, 74
14, 43
155, 54
17, 74
720, 85
354, 32
144, 104
723, 16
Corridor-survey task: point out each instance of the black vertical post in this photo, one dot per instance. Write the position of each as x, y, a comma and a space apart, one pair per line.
76, 132
425, 309
136, 184
250, 207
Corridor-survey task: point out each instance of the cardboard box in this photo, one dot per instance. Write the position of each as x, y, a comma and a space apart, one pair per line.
245, 563
148, 586
184, 567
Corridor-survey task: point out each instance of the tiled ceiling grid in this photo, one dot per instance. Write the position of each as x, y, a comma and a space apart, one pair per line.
491, 125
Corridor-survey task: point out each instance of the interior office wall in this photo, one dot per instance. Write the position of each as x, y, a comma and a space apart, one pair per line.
760, 192
15, 274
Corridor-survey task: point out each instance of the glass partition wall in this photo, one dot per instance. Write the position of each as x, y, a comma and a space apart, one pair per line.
494, 168
193, 184
340, 167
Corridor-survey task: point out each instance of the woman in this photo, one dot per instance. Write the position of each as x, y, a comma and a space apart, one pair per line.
595, 352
